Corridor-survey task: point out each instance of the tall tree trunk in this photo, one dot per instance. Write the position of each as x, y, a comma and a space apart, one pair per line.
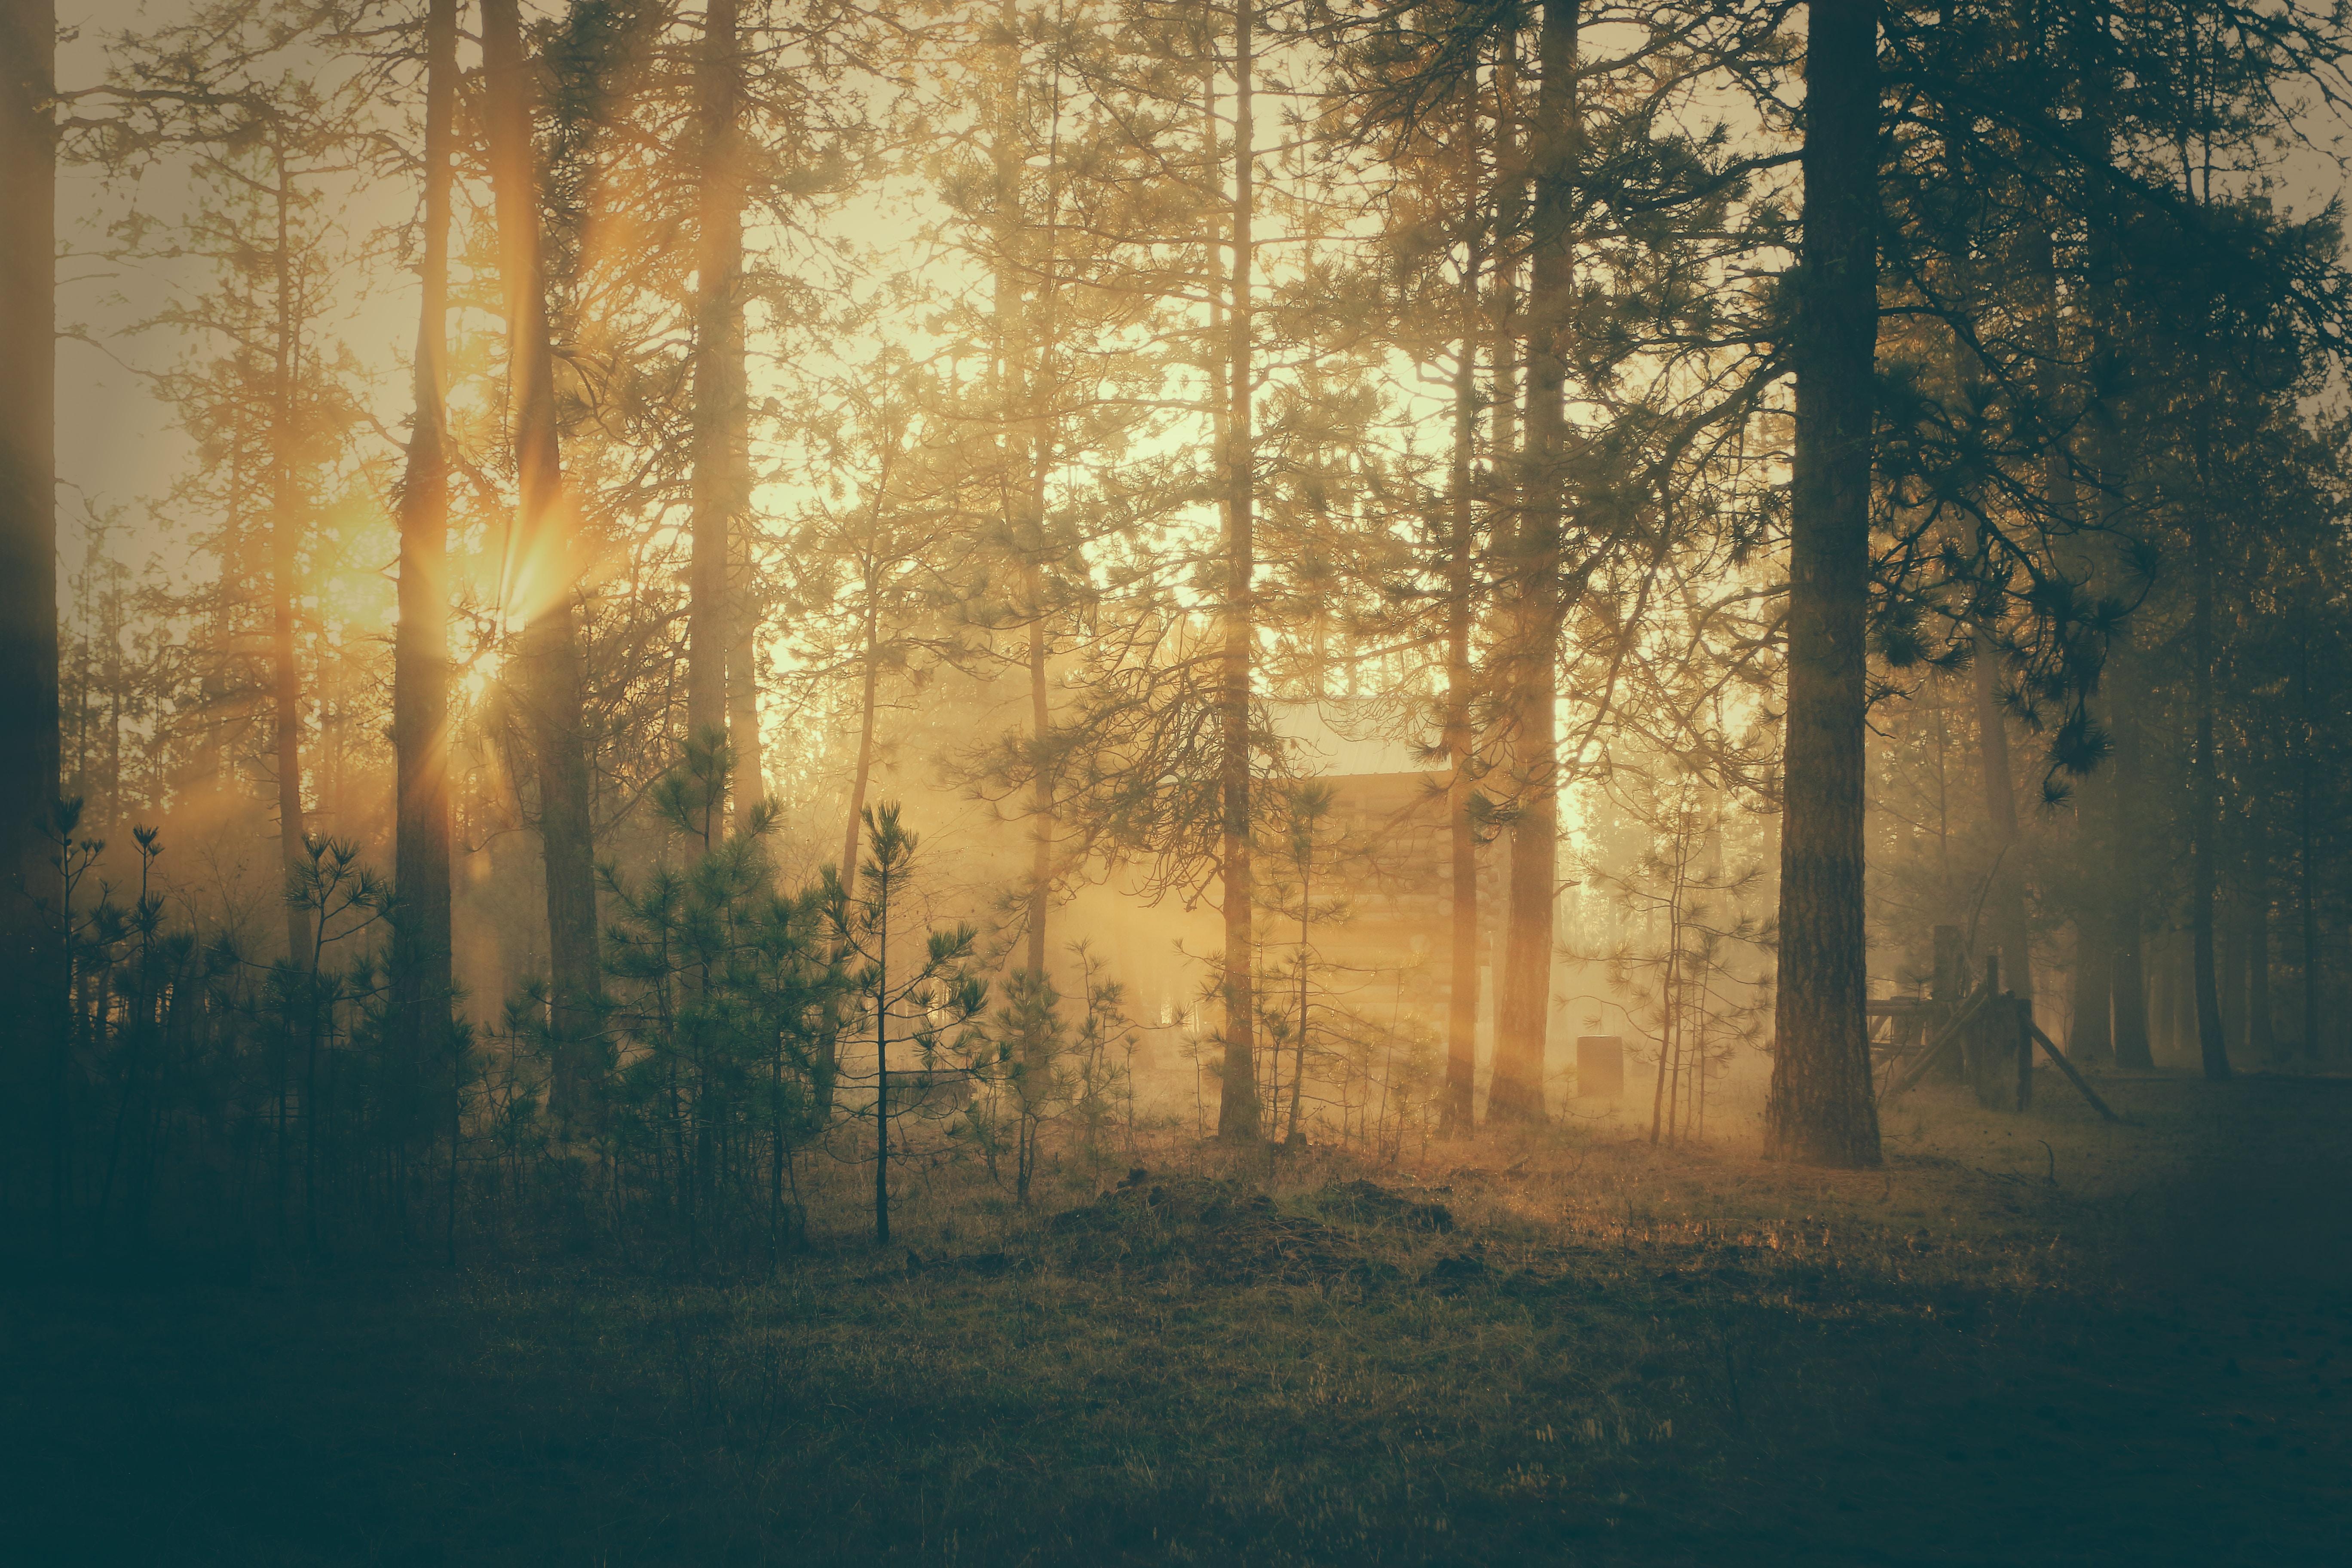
2112, 460
748, 755
1821, 1108
718, 264
420, 660
2126, 850
882, 893
1041, 802
1042, 452
2205, 818
546, 573
2090, 1036
2261, 1037
2005, 887
1237, 1105
718, 376
32, 955
2229, 927
1461, 546
285, 547
862, 770
1523, 1000
2306, 850
1023, 456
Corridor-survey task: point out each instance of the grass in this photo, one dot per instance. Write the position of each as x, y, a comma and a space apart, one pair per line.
2025, 1339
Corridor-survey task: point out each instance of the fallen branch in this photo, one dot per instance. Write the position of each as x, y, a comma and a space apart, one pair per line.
2073, 1077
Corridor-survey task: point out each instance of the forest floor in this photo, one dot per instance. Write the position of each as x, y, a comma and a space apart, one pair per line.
2027, 1339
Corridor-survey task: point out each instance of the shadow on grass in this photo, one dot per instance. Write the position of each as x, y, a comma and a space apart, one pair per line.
2038, 1339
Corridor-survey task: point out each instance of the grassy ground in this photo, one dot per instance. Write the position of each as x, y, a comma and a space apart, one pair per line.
2036, 1339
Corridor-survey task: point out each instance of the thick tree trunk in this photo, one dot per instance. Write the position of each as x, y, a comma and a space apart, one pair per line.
545, 570
32, 956
420, 660
1024, 452
1237, 1105
1523, 1000
1456, 1113
1821, 1108
719, 384
2112, 460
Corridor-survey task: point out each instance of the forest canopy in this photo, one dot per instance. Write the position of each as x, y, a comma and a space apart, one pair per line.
719, 599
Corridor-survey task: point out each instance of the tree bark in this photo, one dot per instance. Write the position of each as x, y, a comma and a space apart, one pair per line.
1820, 1108
2261, 1037
2005, 887
2257, 1035
1024, 454
2306, 851
2090, 1036
748, 755
862, 770
420, 673
718, 382
284, 560
1238, 1114
2205, 820
1455, 1114
546, 571
1523, 1000
32, 956
2125, 850
2112, 462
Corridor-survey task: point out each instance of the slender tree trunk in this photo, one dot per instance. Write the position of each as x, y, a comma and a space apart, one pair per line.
1821, 1109
2090, 1036
2307, 854
2123, 876
285, 546
2005, 891
32, 955
420, 673
748, 755
1041, 802
1299, 1045
1523, 1001
1026, 455
862, 774
1237, 1108
2205, 823
1461, 546
719, 384
2229, 927
546, 570
882, 891
2112, 462
2260, 1036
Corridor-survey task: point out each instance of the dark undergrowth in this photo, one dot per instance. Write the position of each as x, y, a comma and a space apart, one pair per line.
2025, 1339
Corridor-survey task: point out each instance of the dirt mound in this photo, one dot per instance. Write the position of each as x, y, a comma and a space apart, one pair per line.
1367, 1203
1218, 1230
